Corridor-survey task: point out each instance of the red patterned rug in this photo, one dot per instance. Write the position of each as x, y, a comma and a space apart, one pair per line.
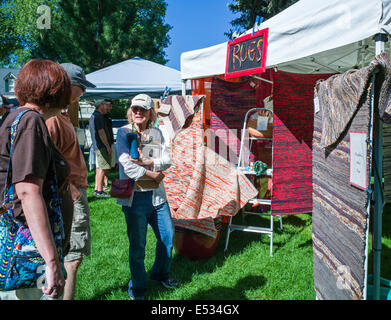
292, 142
230, 102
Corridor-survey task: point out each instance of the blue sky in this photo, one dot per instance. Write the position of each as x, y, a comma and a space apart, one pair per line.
196, 24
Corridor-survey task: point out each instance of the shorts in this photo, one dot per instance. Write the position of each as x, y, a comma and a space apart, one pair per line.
80, 242
104, 161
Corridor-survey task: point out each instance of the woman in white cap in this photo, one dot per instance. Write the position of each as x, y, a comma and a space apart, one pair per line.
148, 202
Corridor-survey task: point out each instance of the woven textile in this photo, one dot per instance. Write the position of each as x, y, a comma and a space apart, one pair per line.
340, 219
292, 142
176, 112
343, 94
201, 185
229, 103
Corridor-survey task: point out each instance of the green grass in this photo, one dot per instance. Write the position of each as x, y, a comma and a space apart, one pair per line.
244, 271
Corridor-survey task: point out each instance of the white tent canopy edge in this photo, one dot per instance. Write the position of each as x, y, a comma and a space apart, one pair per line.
131, 77
311, 36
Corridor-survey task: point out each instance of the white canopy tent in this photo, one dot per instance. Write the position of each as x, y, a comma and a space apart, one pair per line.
131, 77
311, 36
317, 36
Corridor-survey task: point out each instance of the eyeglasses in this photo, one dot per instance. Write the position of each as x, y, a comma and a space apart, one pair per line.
138, 109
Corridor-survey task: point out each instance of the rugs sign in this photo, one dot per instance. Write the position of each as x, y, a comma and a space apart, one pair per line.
247, 54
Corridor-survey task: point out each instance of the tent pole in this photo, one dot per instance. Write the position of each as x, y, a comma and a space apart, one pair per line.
380, 40
183, 87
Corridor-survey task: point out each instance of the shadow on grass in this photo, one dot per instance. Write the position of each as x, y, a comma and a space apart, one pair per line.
291, 226
307, 243
93, 199
109, 290
184, 268
235, 293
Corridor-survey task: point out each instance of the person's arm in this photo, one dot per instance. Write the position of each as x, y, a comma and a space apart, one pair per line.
34, 208
104, 139
164, 162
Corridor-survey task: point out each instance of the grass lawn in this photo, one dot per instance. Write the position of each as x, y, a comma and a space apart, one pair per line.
244, 271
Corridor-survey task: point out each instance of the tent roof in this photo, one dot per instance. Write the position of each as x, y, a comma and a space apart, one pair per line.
131, 77
311, 36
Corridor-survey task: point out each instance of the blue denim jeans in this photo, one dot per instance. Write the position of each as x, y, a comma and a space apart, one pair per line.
137, 217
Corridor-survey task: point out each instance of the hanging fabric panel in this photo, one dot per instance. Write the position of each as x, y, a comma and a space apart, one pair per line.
293, 96
340, 219
229, 103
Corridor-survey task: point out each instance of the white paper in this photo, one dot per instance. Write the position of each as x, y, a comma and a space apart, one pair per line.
358, 159
262, 123
151, 150
316, 105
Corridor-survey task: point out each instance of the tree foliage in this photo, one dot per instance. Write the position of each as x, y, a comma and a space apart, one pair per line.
18, 29
92, 33
250, 9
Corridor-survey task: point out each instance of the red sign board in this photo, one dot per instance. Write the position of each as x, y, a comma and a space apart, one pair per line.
247, 54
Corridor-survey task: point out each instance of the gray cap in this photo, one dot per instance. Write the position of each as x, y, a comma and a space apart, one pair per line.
142, 100
77, 75
97, 103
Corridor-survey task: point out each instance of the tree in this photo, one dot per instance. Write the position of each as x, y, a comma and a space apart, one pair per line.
18, 29
250, 9
98, 33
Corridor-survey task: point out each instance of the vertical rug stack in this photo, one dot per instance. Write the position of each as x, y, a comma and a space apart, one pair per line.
340, 217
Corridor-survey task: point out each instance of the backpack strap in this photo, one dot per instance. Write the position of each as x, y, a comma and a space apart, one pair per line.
8, 195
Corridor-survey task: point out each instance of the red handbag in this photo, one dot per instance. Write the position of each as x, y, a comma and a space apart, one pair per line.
121, 188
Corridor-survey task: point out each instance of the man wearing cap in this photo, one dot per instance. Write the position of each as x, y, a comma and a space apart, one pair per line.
63, 134
102, 144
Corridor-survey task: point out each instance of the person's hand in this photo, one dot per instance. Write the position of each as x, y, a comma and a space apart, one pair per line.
55, 282
109, 151
158, 176
142, 160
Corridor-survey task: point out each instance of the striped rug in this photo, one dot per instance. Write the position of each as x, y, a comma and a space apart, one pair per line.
176, 112
340, 219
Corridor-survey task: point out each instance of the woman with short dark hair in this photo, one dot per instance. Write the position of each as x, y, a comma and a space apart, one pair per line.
43, 88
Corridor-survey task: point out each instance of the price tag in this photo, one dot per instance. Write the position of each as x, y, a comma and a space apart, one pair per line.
316, 104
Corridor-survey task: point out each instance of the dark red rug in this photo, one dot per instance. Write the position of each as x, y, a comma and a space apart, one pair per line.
292, 142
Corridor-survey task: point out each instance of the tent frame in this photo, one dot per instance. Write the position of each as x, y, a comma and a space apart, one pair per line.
376, 291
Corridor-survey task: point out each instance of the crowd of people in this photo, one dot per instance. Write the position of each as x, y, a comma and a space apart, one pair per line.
46, 135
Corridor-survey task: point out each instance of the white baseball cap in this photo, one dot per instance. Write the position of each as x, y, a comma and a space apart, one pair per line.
142, 100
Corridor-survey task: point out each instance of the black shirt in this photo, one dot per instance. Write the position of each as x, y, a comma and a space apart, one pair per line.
98, 122
109, 123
